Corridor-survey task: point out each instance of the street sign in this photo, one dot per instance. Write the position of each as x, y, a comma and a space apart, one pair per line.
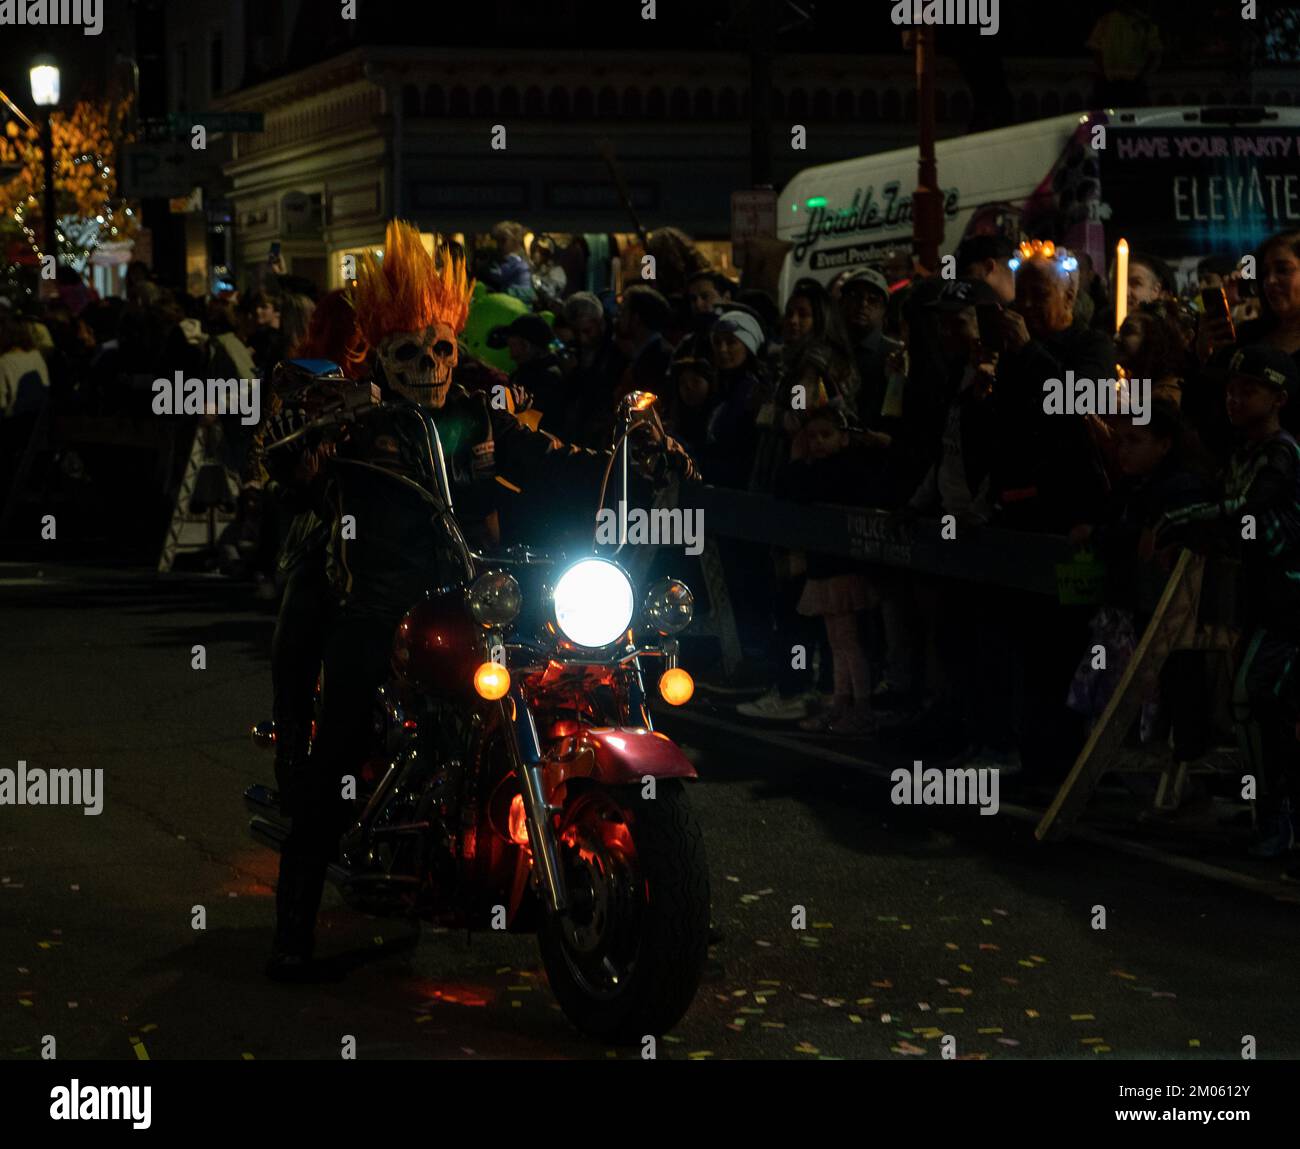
177, 125
753, 216
157, 170
182, 122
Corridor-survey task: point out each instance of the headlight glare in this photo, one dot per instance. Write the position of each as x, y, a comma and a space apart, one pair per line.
593, 603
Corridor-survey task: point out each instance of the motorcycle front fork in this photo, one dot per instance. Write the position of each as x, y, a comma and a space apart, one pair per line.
525, 750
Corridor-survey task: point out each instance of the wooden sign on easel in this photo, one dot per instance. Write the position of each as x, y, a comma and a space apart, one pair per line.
1173, 627
197, 530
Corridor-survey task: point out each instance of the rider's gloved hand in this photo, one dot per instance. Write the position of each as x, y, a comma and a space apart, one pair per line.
657, 455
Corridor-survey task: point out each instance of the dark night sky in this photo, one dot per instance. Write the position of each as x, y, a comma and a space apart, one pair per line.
1028, 27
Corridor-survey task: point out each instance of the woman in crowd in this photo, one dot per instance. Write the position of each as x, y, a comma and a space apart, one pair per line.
835, 469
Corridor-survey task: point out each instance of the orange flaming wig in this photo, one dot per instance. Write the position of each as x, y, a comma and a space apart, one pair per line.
410, 289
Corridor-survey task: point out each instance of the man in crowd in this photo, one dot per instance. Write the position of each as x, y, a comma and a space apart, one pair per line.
863, 298
988, 258
707, 293
638, 332
1258, 519
1149, 278
537, 369
597, 369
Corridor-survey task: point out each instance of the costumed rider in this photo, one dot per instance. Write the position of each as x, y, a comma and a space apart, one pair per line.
386, 535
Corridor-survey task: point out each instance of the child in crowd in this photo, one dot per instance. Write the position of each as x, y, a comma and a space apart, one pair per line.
831, 468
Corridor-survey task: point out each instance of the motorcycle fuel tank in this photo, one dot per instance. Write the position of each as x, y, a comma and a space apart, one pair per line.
437, 646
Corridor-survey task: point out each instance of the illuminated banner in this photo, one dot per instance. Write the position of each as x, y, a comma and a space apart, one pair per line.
1185, 192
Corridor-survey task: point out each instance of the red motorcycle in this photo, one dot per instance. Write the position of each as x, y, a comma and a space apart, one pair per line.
518, 782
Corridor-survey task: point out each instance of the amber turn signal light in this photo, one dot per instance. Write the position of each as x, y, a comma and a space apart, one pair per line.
676, 686
492, 681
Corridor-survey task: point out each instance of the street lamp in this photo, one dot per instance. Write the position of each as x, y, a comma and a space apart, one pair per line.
45, 94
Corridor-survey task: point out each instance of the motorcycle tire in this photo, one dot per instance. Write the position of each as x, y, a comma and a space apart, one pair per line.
656, 924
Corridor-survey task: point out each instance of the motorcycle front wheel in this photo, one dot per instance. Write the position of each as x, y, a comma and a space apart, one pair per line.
627, 958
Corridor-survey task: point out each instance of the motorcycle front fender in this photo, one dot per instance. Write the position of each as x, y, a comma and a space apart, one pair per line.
618, 755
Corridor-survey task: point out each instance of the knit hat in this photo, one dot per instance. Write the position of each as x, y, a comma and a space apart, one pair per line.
744, 327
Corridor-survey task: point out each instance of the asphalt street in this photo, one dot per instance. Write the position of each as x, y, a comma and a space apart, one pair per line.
919, 924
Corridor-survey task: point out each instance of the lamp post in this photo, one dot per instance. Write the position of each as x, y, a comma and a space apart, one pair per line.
45, 95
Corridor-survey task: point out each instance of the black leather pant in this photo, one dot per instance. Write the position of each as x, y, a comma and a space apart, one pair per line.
355, 653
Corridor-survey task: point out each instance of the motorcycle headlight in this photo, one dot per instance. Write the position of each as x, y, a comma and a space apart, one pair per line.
669, 606
494, 599
593, 603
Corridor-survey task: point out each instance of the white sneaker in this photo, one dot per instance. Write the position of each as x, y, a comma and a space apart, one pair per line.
775, 708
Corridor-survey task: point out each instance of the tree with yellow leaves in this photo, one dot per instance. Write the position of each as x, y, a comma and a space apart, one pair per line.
89, 210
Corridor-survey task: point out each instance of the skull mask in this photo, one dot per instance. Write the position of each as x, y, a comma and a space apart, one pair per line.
418, 364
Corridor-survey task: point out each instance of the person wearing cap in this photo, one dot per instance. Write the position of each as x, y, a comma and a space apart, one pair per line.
863, 299
988, 258
1258, 518
736, 341
537, 372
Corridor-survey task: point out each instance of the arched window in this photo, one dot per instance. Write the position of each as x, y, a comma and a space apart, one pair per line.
534, 102
656, 104
484, 101
410, 100
960, 107
1028, 106
509, 104
704, 103
607, 103
868, 106
559, 103
909, 107
1051, 105
632, 102
435, 100
797, 108
844, 108
459, 104
891, 107
1073, 101
821, 105
584, 104
729, 103
679, 104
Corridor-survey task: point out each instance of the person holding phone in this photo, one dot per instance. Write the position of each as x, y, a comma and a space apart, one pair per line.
1277, 264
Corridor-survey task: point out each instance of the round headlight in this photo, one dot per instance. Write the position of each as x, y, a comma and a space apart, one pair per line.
593, 603
494, 599
669, 606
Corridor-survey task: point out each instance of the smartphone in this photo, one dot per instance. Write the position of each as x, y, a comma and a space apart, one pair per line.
1214, 302
275, 252
989, 316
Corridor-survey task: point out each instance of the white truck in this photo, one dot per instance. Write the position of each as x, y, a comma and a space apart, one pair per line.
1181, 183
